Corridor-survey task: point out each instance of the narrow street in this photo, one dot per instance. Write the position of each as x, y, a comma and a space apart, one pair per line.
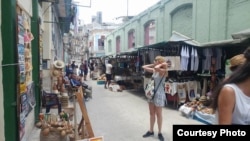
123, 116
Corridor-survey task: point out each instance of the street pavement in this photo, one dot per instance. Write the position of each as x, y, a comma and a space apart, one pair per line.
124, 116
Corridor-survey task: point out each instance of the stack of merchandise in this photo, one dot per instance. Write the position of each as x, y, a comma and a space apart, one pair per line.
64, 99
101, 79
54, 127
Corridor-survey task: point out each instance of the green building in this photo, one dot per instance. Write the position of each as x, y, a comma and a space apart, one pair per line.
201, 20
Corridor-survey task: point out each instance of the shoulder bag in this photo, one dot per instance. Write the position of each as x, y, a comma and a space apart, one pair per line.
150, 88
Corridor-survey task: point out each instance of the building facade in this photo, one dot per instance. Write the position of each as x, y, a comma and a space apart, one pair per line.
203, 21
31, 39
96, 36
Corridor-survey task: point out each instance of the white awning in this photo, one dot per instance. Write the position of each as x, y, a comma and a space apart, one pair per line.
241, 34
176, 36
225, 43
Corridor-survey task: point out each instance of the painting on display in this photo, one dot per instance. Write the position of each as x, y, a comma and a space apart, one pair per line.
21, 61
22, 126
25, 106
31, 95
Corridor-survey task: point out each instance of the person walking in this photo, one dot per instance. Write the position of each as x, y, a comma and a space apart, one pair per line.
231, 98
84, 70
108, 73
81, 70
91, 68
74, 67
159, 70
68, 69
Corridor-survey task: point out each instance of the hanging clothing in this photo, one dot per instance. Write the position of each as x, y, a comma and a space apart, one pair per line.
192, 59
181, 91
168, 88
173, 63
218, 58
207, 52
196, 60
177, 63
184, 58
192, 90
188, 56
171, 88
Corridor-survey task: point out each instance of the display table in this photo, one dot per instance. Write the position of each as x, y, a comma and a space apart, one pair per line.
200, 113
204, 117
187, 111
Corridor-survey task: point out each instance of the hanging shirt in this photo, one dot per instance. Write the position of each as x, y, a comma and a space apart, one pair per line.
187, 58
196, 60
183, 58
207, 61
192, 60
177, 63
218, 58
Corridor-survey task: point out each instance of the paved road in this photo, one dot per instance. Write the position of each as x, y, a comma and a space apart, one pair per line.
124, 116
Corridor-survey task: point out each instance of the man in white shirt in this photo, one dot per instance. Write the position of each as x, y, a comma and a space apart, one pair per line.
108, 73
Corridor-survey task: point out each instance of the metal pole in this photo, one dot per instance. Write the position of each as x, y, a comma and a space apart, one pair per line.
127, 8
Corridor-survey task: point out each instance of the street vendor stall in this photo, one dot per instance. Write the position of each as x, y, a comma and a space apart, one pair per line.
214, 68
126, 70
98, 65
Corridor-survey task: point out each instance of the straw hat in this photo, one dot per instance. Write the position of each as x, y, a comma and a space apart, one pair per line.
55, 73
26, 24
203, 98
27, 53
237, 60
28, 66
59, 64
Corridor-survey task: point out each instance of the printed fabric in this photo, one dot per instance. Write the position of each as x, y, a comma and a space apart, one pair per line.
160, 96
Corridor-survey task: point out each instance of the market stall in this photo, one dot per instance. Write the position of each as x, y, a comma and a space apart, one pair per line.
98, 67
182, 83
214, 68
126, 70
26, 100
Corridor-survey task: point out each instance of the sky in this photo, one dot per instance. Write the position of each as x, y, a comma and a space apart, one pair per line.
111, 9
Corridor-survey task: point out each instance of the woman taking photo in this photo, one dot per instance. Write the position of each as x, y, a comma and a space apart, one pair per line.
231, 99
159, 70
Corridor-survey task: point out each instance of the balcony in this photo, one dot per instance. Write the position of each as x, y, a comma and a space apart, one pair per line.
66, 13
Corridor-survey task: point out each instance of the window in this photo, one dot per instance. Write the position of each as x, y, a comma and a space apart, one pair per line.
149, 33
109, 46
131, 38
118, 41
101, 43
